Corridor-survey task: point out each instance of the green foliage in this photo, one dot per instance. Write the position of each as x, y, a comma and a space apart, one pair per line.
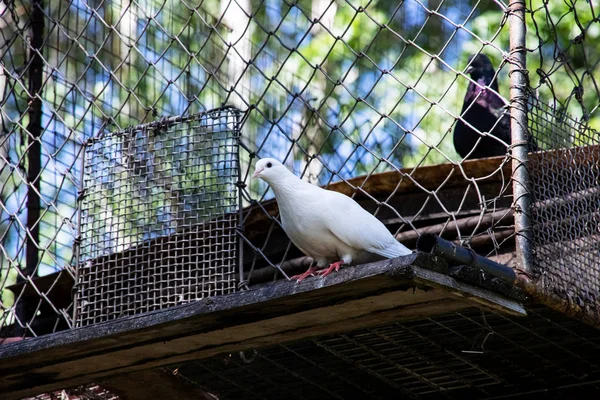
377, 88
563, 43
152, 182
385, 78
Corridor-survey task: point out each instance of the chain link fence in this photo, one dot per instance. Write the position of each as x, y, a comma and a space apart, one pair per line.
373, 99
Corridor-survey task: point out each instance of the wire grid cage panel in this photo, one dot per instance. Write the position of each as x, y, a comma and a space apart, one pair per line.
565, 188
466, 355
159, 216
564, 118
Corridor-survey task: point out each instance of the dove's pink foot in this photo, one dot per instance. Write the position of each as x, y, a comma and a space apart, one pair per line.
335, 266
309, 272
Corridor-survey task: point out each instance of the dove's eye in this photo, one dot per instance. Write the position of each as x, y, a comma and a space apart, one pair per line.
269, 165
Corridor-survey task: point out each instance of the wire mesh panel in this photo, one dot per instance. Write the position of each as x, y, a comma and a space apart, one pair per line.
466, 355
159, 215
564, 117
566, 209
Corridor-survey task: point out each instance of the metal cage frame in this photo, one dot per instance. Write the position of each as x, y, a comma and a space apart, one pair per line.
151, 234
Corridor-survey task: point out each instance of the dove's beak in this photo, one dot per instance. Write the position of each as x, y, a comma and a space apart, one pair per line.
469, 70
257, 173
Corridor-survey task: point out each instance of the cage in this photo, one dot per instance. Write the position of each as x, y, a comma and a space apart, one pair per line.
159, 216
140, 214
565, 219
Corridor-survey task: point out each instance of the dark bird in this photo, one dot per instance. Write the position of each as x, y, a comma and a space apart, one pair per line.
486, 112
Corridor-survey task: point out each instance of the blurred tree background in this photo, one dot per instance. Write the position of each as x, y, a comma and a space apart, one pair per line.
337, 89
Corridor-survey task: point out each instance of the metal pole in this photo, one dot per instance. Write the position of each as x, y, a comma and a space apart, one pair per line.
34, 129
433, 244
518, 126
77, 243
24, 310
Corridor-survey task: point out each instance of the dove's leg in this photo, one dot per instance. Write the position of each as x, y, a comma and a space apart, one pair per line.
309, 272
335, 266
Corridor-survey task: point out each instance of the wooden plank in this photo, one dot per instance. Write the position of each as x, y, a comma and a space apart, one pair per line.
367, 295
470, 292
154, 384
178, 351
283, 291
56, 282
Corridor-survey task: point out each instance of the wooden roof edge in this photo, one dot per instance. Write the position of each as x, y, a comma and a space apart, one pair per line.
44, 284
403, 288
429, 177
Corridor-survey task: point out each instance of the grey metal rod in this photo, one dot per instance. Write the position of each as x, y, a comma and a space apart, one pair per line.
518, 126
433, 244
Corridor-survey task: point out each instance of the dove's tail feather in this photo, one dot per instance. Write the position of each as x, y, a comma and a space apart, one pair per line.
395, 250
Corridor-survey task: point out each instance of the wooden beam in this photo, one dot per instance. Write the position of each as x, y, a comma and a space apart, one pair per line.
154, 384
368, 295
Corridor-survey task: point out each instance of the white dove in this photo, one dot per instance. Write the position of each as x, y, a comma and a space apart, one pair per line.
328, 226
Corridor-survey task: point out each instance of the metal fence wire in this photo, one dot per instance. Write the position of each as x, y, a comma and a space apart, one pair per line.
365, 97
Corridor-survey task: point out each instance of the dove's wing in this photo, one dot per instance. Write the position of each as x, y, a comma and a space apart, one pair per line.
357, 228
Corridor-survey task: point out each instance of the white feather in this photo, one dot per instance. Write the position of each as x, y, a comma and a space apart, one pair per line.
326, 225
